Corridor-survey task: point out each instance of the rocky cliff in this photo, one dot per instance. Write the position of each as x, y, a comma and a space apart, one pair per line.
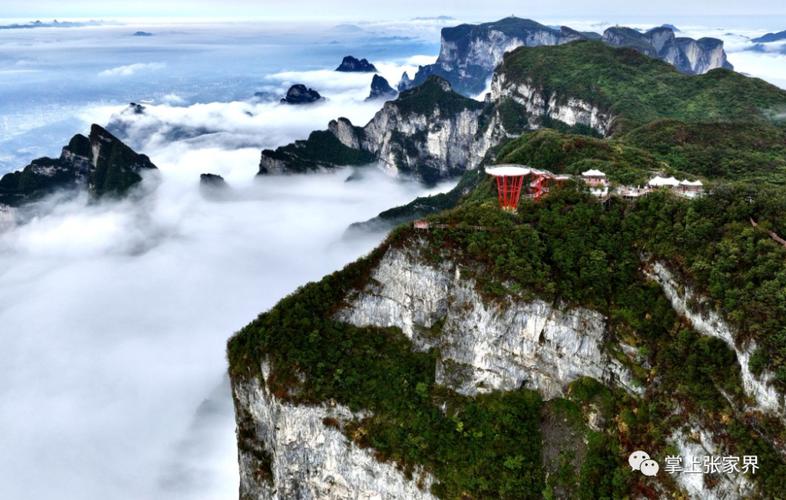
484, 346
288, 451
470, 52
381, 89
689, 56
397, 377
537, 105
429, 131
100, 163
585, 87
294, 450
308, 451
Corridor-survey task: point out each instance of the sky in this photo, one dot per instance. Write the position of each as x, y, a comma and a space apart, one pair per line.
359, 9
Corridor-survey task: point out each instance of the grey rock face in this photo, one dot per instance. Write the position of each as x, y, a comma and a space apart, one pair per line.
300, 452
537, 105
470, 52
287, 452
381, 89
689, 56
346, 133
697, 444
429, 131
352, 64
300, 94
433, 144
483, 346
711, 324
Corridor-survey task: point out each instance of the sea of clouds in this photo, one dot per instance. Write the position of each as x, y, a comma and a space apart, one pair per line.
114, 316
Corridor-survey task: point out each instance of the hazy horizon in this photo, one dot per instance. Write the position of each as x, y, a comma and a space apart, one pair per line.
354, 8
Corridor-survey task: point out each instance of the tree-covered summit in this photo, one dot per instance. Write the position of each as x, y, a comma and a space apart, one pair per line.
636, 89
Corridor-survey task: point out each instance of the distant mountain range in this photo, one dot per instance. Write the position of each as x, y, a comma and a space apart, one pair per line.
50, 24
587, 86
470, 52
771, 37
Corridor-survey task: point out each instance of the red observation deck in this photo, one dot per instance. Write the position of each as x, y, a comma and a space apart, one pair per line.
510, 180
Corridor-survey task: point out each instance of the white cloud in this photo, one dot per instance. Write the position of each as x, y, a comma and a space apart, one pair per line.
168, 130
131, 69
172, 99
115, 315
768, 66
115, 318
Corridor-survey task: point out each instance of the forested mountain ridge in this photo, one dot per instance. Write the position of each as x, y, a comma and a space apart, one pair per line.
626, 89
584, 87
527, 355
421, 352
469, 53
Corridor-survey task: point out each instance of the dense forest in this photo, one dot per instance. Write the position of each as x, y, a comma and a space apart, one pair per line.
637, 90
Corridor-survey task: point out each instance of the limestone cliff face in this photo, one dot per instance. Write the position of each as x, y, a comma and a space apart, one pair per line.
539, 105
435, 140
288, 451
700, 56
470, 52
484, 346
694, 57
295, 451
430, 131
696, 444
708, 322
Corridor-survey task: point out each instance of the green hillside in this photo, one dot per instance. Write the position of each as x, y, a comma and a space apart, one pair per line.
752, 152
573, 250
573, 154
733, 151
637, 89
569, 249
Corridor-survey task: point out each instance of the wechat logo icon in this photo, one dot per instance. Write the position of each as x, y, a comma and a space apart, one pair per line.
641, 461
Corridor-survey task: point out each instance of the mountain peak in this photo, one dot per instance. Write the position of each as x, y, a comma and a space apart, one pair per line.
470, 52
100, 162
355, 65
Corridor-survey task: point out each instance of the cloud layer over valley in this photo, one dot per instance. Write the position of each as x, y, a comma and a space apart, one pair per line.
115, 315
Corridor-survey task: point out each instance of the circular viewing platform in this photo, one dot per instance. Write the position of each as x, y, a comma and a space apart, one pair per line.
509, 170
